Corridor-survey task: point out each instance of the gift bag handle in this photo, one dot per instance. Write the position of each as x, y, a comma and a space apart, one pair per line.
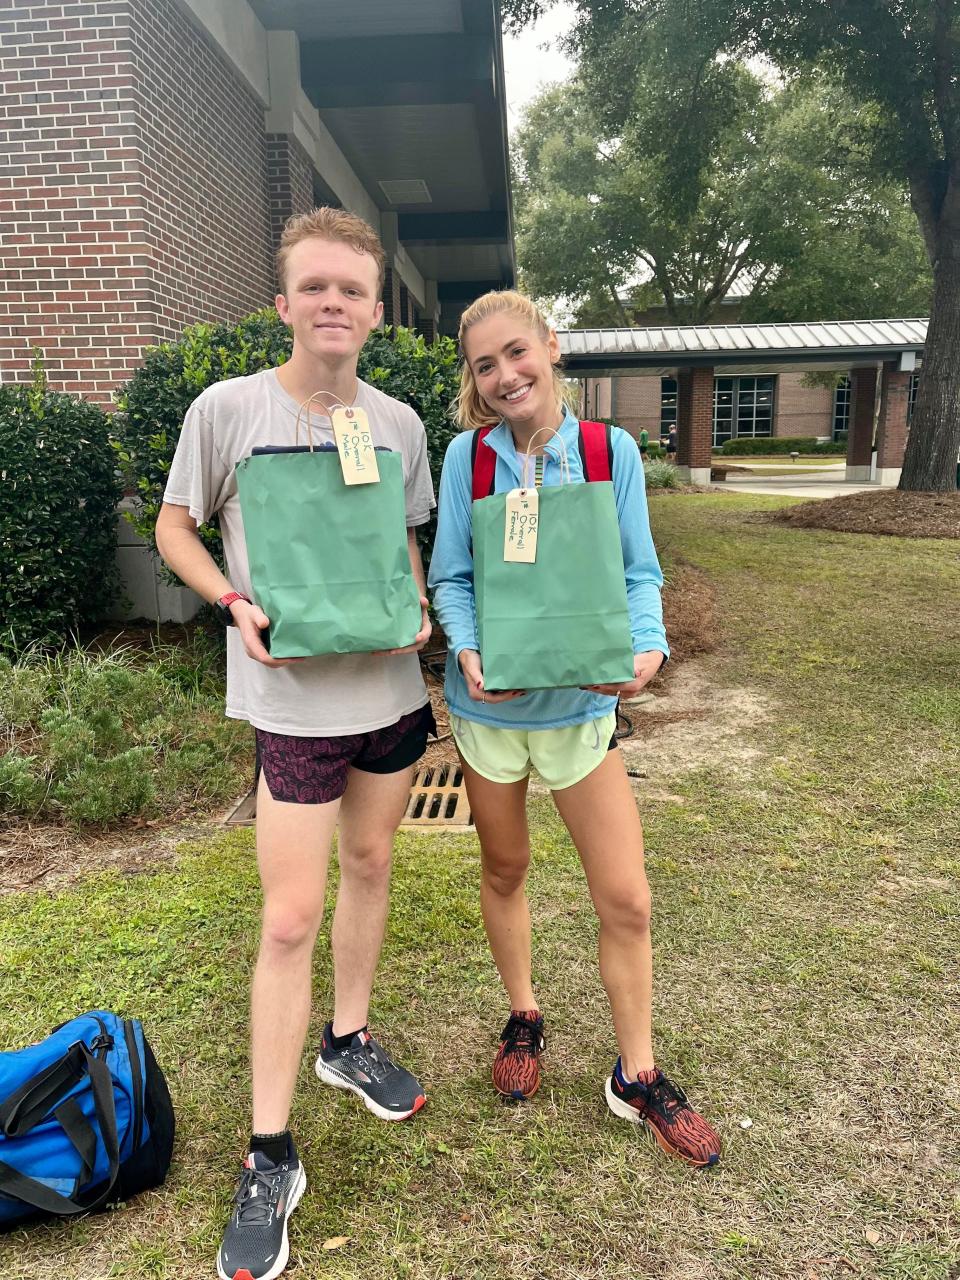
564, 458
317, 395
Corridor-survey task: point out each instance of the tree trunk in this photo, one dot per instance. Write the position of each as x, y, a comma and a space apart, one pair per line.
930, 462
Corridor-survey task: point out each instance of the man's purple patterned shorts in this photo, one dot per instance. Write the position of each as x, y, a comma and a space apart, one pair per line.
315, 770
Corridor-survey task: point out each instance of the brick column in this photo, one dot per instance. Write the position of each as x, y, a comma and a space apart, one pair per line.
695, 423
428, 327
863, 403
392, 312
289, 181
407, 308
892, 429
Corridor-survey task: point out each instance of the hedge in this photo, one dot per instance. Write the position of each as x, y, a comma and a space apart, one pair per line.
743, 445
153, 403
58, 501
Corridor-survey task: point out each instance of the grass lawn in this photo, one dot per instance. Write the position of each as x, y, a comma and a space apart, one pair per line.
806, 935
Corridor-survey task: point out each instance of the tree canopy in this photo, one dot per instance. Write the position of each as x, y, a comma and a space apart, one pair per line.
900, 62
782, 201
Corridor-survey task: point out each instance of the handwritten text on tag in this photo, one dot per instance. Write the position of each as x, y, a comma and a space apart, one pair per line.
358, 459
520, 532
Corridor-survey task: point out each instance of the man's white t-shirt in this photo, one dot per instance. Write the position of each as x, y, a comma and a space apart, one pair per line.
317, 697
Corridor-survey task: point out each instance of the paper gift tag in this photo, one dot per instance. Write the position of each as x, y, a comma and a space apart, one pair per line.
358, 459
520, 532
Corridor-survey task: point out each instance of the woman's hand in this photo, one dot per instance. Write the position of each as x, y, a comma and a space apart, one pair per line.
645, 667
251, 621
420, 639
473, 674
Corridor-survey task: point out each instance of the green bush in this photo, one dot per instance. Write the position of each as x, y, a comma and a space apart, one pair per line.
97, 737
58, 502
153, 403
661, 475
744, 445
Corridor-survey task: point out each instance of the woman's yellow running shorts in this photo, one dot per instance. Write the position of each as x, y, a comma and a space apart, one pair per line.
560, 756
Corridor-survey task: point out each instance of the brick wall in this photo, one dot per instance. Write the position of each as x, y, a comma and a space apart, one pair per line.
74, 244
802, 411
133, 188
204, 158
636, 404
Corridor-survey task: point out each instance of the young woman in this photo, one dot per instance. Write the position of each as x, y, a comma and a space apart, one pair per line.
511, 378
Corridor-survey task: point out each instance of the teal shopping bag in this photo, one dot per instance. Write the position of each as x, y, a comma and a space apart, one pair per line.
329, 563
563, 620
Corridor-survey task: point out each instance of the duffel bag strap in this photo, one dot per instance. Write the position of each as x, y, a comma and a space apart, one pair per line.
21, 1187
38, 1096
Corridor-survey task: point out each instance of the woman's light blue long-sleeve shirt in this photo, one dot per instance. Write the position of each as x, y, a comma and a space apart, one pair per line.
451, 572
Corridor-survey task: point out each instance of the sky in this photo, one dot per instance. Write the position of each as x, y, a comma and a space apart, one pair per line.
528, 66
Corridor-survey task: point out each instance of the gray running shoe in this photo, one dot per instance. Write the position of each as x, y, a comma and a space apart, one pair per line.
255, 1245
364, 1068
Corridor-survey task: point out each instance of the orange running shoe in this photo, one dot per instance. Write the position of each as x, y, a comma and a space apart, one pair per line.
664, 1108
516, 1068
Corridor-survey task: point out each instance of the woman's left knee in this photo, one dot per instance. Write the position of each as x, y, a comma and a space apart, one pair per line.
628, 911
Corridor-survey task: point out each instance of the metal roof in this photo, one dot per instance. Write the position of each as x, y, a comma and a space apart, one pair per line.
717, 344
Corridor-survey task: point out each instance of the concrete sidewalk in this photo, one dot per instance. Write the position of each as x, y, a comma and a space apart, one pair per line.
828, 484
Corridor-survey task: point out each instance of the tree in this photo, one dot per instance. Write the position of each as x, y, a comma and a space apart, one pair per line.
902, 62
777, 195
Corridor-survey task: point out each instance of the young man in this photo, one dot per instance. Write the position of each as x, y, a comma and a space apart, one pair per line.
337, 735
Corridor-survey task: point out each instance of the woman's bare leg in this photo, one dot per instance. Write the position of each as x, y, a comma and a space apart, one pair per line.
600, 812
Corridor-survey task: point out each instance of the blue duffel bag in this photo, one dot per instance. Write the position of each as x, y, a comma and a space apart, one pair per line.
85, 1120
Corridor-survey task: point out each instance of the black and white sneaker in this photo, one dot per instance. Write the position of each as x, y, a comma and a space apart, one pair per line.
364, 1068
255, 1245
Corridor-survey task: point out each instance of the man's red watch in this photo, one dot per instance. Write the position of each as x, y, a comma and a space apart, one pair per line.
222, 606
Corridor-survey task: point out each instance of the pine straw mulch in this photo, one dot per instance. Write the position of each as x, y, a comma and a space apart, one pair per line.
888, 511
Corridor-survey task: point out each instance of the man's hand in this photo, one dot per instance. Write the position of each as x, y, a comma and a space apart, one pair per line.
420, 639
473, 674
645, 667
251, 620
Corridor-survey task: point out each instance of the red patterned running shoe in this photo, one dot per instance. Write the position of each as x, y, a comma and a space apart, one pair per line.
516, 1068
664, 1108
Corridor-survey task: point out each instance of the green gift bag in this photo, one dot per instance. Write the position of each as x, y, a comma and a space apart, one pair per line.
329, 562
563, 620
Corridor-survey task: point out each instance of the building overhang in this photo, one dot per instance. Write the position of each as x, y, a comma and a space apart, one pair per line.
742, 349
411, 96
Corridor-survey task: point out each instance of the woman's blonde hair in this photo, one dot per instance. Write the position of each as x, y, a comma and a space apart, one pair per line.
471, 411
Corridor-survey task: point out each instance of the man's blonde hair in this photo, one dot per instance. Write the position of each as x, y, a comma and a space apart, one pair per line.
331, 224
471, 411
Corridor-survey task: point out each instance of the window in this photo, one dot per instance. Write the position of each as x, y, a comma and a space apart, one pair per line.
912, 396
668, 405
723, 393
742, 407
841, 408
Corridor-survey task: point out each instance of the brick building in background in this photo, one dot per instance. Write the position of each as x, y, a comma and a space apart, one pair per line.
719, 382
152, 150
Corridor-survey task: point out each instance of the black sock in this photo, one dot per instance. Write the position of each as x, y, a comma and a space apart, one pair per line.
341, 1042
277, 1147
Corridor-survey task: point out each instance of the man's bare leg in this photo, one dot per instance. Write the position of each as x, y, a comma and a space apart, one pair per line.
293, 849
370, 812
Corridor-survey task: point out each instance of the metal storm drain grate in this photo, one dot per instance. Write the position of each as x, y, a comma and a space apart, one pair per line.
438, 798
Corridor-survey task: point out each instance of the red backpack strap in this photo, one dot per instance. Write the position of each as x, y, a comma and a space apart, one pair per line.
483, 462
596, 451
